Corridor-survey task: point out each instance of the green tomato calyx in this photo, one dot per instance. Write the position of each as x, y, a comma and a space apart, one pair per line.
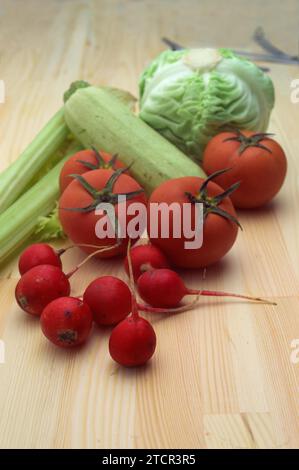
250, 141
105, 195
211, 203
101, 164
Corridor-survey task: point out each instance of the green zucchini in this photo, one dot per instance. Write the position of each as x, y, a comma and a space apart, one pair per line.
98, 118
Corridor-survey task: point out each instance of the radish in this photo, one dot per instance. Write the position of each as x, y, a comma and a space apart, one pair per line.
165, 288
39, 286
133, 341
36, 254
44, 283
109, 299
145, 258
66, 321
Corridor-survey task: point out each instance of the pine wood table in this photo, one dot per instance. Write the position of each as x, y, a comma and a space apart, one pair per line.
222, 374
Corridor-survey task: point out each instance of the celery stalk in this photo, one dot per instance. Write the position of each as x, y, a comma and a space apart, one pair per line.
19, 221
17, 177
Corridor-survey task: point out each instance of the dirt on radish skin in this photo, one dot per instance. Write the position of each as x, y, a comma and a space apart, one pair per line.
132, 342
145, 258
109, 299
37, 254
165, 288
66, 321
39, 286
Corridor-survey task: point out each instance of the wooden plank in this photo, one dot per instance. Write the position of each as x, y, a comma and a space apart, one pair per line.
222, 375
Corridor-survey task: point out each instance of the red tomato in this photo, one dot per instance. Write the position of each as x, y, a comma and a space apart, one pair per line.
77, 208
219, 231
86, 160
256, 160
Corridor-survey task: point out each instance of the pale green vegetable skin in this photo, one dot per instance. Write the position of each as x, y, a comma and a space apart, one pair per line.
15, 179
20, 220
188, 100
99, 119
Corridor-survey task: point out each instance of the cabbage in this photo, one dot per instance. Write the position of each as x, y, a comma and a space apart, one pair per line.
190, 95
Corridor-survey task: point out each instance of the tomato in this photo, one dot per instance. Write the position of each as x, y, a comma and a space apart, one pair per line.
86, 160
220, 224
256, 160
79, 200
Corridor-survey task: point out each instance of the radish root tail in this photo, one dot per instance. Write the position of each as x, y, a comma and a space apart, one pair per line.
229, 294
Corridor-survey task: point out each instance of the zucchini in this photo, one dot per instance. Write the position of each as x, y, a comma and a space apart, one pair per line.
98, 118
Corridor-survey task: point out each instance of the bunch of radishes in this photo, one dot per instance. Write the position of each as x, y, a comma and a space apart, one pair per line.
44, 290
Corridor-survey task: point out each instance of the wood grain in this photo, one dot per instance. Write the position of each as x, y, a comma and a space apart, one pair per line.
222, 375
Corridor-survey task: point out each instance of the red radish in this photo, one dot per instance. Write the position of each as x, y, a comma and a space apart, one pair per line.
109, 299
144, 258
165, 288
133, 341
44, 283
36, 254
66, 321
39, 286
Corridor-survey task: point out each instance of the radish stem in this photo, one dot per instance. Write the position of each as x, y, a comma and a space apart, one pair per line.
135, 313
61, 251
101, 250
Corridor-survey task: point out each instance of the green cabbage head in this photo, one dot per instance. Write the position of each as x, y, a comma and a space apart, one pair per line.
190, 95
